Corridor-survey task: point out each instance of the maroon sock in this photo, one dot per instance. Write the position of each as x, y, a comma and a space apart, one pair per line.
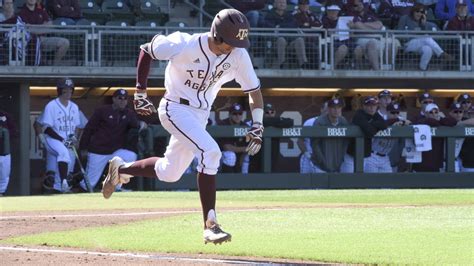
62, 167
207, 193
144, 168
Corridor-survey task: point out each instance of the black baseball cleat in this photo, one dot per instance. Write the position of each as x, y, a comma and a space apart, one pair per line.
214, 234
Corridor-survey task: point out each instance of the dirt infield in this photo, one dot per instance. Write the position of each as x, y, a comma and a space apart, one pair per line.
25, 223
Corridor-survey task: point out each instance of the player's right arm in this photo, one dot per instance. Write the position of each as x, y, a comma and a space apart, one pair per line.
160, 48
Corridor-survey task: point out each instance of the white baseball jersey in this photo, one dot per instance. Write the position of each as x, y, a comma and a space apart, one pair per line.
62, 119
196, 74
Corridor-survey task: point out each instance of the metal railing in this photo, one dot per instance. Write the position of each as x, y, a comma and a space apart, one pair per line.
109, 46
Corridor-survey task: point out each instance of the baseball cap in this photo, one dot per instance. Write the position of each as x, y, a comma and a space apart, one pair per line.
461, 3
65, 83
385, 93
236, 108
370, 100
393, 107
425, 96
431, 107
268, 107
120, 92
464, 97
455, 107
335, 102
333, 8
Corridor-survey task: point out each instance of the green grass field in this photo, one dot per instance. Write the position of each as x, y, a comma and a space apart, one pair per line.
345, 226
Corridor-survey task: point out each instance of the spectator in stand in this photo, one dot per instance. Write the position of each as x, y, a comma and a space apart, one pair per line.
385, 98
251, 9
394, 9
446, 9
328, 153
7, 125
8, 10
433, 160
465, 101
365, 20
30, 13
329, 21
467, 151
370, 122
424, 99
425, 46
233, 149
463, 21
306, 165
66, 12
279, 17
306, 19
105, 136
310, 2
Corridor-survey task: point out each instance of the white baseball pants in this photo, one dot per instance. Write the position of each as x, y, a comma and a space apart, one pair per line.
189, 139
377, 164
97, 162
57, 152
5, 168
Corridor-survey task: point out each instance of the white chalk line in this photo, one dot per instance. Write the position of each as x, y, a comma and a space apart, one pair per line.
129, 255
129, 213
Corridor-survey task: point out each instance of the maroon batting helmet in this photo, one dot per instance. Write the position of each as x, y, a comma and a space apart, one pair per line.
232, 27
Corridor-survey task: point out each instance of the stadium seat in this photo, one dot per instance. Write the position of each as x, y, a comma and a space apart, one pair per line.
149, 10
176, 24
91, 10
118, 23
117, 10
147, 23
90, 22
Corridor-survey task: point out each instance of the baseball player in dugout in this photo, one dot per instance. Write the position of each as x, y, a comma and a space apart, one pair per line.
233, 149
61, 128
370, 122
8, 131
198, 66
105, 135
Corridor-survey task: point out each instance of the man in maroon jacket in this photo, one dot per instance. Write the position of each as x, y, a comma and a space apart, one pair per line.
462, 21
105, 135
30, 13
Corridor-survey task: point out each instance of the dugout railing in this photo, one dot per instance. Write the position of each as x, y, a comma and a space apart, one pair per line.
268, 180
449, 133
100, 47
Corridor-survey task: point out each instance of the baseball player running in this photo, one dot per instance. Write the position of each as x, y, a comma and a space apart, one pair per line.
198, 65
61, 124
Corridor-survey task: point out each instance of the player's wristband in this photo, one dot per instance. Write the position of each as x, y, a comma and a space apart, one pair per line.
257, 115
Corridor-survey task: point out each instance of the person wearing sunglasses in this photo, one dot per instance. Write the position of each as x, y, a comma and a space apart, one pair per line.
424, 99
425, 46
233, 149
433, 160
466, 103
105, 136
